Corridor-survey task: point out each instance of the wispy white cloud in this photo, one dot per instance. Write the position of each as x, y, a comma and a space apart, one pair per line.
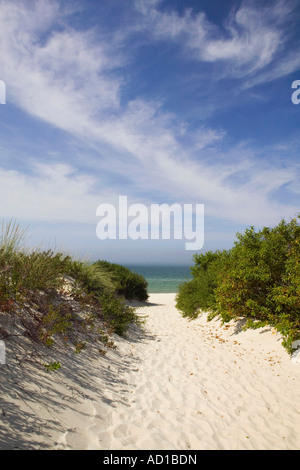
58, 192
250, 39
49, 193
72, 80
63, 79
241, 192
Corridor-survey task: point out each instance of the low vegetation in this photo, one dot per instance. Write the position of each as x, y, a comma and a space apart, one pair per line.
258, 279
128, 283
54, 296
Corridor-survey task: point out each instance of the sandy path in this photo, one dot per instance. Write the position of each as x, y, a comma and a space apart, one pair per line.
179, 385
196, 385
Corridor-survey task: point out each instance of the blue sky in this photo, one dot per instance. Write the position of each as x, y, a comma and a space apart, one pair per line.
162, 101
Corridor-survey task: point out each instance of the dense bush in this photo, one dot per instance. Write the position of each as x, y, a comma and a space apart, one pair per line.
127, 283
199, 292
116, 312
259, 279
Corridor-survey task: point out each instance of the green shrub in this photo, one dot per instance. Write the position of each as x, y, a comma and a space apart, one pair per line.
286, 296
114, 310
127, 283
199, 293
189, 298
261, 279
52, 366
258, 279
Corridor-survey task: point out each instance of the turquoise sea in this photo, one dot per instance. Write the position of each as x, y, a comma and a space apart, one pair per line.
163, 279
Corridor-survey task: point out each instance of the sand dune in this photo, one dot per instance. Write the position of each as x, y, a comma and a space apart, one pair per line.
178, 385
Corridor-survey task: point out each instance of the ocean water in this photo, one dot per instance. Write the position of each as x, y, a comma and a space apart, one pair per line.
163, 279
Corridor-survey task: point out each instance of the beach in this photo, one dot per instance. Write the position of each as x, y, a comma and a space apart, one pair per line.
174, 384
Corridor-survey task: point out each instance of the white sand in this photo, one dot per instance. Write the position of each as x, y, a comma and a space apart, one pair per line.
180, 385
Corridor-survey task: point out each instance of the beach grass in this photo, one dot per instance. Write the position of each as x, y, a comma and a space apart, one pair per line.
35, 282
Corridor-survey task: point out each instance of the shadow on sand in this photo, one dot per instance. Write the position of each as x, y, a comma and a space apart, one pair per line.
34, 403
